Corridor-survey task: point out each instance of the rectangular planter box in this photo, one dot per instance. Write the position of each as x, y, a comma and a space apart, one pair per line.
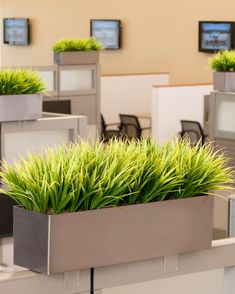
20, 107
76, 57
224, 81
73, 241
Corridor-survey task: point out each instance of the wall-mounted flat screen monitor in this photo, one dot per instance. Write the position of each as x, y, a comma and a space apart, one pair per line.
216, 36
107, 32
16, 31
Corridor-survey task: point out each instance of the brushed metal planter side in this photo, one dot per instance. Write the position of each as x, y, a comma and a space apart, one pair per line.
20, 107
76, 57
31, 239
224, 81
124, 234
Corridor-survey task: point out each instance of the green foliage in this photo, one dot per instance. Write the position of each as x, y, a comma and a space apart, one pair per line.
223, 61
20, 81
86, 176
77, 45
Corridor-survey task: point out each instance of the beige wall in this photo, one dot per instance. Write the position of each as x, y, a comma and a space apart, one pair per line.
157, 35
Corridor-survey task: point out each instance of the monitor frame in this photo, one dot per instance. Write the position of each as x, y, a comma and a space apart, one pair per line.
118, 33
200, 31
25, 25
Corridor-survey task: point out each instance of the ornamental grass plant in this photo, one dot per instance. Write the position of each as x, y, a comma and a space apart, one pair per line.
223, 61
66, 45
85, 176
20, 81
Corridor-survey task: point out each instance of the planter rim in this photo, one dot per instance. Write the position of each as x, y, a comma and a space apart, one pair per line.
120, 207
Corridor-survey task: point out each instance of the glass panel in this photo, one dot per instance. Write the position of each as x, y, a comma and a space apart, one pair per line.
48, 78
225, 116
76, 79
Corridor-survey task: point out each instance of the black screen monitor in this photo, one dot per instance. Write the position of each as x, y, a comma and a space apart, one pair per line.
6, 215
57, 106
107, 32
16, 31
216, 36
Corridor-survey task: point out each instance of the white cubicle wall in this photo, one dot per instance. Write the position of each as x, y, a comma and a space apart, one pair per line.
172, 103
128, 93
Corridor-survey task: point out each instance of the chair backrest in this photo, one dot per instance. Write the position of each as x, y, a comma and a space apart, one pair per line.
103, 124
130, 126
193, 130
106, 132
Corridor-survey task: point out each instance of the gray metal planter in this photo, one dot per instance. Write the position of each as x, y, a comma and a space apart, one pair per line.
224, 81
73, 241
76, 57
20, 107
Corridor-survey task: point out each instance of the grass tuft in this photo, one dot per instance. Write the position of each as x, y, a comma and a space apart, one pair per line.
85, 176
20, 81
223, 61
65, 45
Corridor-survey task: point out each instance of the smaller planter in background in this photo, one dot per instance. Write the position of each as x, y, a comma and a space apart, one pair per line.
79, 57
76, 51
20, 107
224, 81
20, 97
223, 64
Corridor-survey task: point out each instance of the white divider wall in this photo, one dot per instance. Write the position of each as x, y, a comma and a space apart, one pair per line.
128, 93
170, 104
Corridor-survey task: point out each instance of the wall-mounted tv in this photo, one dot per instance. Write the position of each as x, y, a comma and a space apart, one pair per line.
107, 31
16, 31
216, 35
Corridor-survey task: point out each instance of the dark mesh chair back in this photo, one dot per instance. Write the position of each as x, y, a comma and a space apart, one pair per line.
106, 133
130, 126
193, 130
103, 124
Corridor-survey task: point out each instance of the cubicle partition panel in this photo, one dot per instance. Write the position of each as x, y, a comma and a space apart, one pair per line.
79, 84
49, 74
172, 103
221, 122
128, 93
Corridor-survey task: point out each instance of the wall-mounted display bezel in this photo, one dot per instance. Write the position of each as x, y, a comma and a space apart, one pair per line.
107, 32
16, 31
215, 36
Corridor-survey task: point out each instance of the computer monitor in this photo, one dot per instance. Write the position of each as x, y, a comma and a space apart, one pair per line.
16, 31
57, 106
216, 36
107, 32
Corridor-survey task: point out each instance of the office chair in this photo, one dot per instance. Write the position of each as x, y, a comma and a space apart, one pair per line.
193, 131
106, 133
130, 126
